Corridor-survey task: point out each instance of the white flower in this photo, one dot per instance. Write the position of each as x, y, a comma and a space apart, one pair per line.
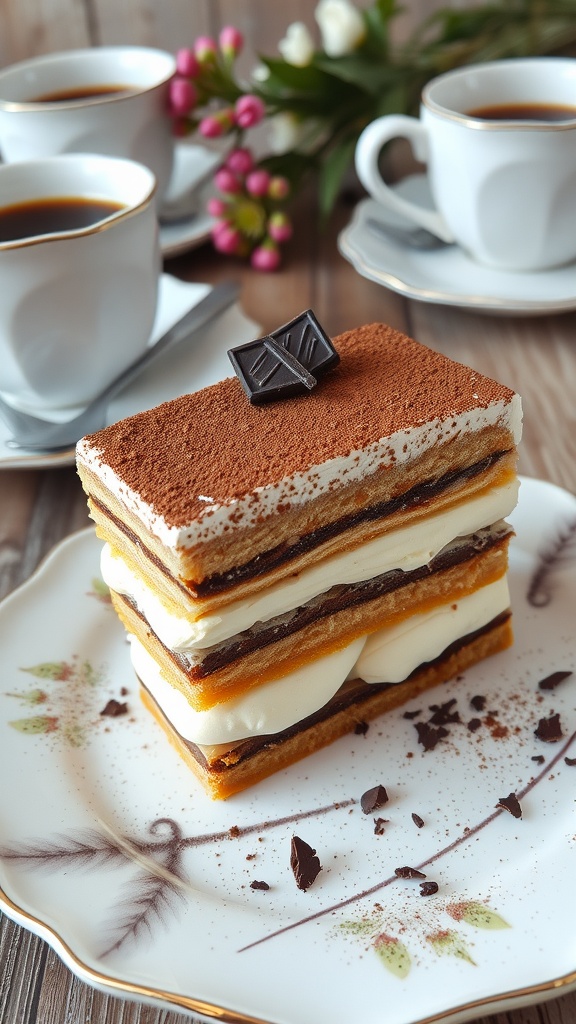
341, 26
297, 47
288, 132
260, 73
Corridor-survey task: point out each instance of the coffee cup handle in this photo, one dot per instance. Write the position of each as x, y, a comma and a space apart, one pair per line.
368, 147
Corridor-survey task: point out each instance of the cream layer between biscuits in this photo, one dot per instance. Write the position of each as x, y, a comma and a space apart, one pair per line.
404, 548
389, 655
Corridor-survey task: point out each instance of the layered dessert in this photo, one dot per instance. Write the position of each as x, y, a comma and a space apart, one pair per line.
288, 571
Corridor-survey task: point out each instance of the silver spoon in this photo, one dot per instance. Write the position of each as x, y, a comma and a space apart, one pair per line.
413, 238
43, 435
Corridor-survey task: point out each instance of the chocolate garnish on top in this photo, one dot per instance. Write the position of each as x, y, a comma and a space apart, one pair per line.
510, 803
285, 363
549, 729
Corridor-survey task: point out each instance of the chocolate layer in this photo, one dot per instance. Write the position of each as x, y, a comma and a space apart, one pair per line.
284, 553
335, 600
353, 693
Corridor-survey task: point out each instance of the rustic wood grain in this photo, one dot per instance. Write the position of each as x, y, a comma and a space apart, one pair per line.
39, 507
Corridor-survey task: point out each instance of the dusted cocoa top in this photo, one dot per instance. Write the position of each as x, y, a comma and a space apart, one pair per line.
390, 397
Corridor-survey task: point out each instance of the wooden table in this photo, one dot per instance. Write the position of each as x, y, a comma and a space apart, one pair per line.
536, 356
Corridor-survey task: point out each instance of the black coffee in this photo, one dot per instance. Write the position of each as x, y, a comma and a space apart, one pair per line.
524, 112
46, 216
86, 92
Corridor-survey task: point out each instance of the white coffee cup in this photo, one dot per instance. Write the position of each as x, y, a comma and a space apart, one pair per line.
78, 304
504, 188
131, 123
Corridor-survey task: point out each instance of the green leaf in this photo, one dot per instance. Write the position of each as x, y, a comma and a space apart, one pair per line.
35, 725
60, 670
477, 914
32, 697
449, 943
87, 675
332, 172
393, 954
365, 75
310, 80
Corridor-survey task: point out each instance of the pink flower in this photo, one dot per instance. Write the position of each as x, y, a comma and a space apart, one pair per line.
215, 125
226, 181
265, 256
226, 238
186, 63
279, 227
216, 207
183, 97
205, 49
240, 161
257, 182
279, 187
231, 41
249, 111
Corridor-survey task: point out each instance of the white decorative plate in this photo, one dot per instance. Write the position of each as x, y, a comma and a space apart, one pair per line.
112, 852
195, 363
448, 276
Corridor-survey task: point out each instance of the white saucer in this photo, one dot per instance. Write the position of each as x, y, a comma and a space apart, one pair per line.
447, 276
193, 167
187, 367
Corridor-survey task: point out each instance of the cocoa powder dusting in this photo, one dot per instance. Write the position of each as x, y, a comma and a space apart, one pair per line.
214, 446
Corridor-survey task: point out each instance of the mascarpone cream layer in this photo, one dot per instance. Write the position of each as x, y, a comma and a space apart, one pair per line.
389, 655
296, 489
405, 548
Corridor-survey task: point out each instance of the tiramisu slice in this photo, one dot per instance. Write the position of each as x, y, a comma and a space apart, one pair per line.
287, 570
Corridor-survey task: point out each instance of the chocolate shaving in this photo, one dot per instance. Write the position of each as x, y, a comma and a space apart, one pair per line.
407, 872
428, 888
474, 724
418, 820
114, 708
539, 758
259, 885
379, 826
553, 680
428, 736
443, 714
570, 761
373, 798
304, 863
361, 728
478, 703
549, 729
510, 803
412, 714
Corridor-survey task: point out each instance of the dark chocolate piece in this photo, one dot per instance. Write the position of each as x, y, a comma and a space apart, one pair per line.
407, 872
379, 826
373, 798
304, 863
285, 363
361, 728
429, 736
474, 724
554, 680
570, 761
510, 803
114, 708
549, 729
478, 703
412, 714
443, 713
418, 820
539, 758
428, 888
259, 885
